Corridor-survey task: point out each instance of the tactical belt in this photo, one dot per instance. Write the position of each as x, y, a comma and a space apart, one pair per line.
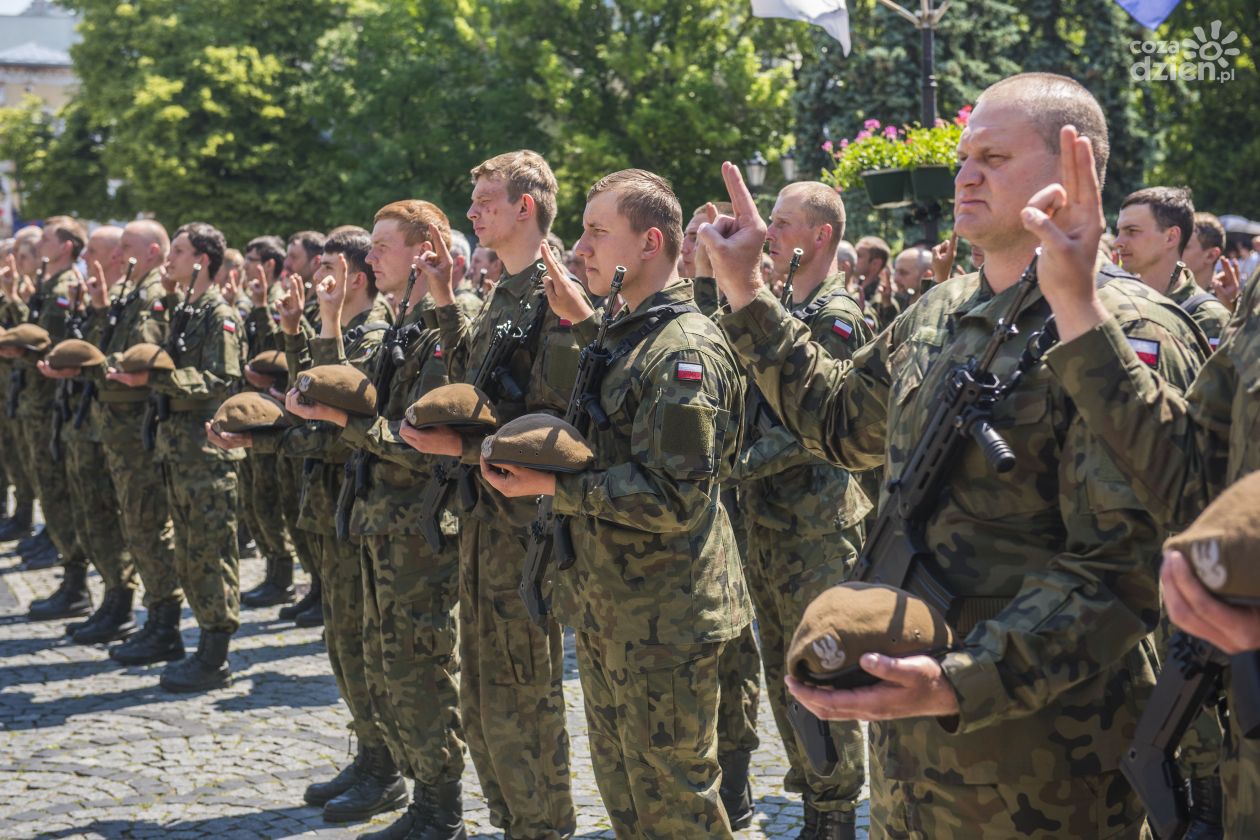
184, 406
123, 395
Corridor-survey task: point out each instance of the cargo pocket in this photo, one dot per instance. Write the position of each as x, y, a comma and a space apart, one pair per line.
688, 438
519, 646
560, 359
433, 634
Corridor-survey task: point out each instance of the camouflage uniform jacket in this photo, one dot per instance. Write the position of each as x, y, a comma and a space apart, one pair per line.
782, 485
398, 472
36, 398
1059, 540
262, 326
706, 293
1211, 315
143, 319
543, 367
1180, 453
205, 372
656, 557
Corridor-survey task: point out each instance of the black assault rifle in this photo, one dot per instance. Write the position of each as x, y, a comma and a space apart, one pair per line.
393, 355
65, 387
35, 306
116, 307
550, 531
895, 552
159, 408
495, 379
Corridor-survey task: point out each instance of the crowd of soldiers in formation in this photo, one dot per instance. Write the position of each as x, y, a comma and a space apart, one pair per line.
683, 426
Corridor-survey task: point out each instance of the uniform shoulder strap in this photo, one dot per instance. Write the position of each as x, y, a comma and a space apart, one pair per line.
804, 313
1192, 303
655, 318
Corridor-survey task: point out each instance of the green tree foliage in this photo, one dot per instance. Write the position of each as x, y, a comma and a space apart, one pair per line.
57, 160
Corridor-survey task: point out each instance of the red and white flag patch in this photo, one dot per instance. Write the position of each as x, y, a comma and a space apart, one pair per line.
1147, 350
1214, 343
689, 372
229, 326
63, 302
158, 307
565, 322
437, 351
842, 328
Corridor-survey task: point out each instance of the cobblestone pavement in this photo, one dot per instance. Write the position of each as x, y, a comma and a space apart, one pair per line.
92, 750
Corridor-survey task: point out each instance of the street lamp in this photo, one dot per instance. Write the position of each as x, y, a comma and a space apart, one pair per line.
755, 167
788, 162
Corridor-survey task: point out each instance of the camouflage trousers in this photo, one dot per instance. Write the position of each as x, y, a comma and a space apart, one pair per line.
142, 504
785, 572
511, 691
15, 465
306, 545
202, 496
651, 714
94, 505
1090, 807
340, 572
1240, 777
262, 506
411, 655
739, 666
51, 485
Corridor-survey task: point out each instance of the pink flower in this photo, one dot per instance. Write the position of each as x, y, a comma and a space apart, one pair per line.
871, 125
864, 134
827, 146
844, 144
964, 114
891, 132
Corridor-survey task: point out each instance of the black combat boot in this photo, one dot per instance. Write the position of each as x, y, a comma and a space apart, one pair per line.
313, 615
828, 825
380, 787
276, 587
159, 641
441, 813
318, 793
70, 600
113, 620
1206, 810
204, 670
736, 789
314, 595
18, 525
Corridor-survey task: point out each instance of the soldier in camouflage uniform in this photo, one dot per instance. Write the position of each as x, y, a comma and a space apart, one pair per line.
61, 243
1044, 556
21, 263
201, 482
410, 637
805, 515
1179, 454
94, 502
1154, 228
656, 589
136, 473
511, 685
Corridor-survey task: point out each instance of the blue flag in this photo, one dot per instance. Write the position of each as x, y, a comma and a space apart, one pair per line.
1149, 13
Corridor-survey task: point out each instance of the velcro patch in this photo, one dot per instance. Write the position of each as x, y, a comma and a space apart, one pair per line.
158, 307
1147, 350
1214, 343
229, 326
437, 351
842, 328
689, 372
63, 302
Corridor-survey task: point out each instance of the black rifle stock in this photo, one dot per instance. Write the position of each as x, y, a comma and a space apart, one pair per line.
549, 532
393, 355
116, 307
495, 379
158, 409
895, 552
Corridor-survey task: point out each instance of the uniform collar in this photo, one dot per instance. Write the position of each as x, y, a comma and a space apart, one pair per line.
678, 292
1183, 285
829, 283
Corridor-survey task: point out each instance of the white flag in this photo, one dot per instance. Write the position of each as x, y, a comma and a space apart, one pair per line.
831, 15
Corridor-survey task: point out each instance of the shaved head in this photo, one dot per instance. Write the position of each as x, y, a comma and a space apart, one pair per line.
150, 233
820, 203
109, 235
1051, 102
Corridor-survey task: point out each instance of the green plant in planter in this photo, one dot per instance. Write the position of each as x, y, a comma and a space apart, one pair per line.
875, 147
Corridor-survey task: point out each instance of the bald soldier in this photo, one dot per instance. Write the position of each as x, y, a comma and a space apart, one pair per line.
118, 411
804, 515
1020, 730
94, 502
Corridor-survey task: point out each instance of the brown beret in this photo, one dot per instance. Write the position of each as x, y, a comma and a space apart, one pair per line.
145, 356
339, 386
30, 337
1223, 544
250, 411
75, 353
453, 405
270, 363
540, 442
851, 619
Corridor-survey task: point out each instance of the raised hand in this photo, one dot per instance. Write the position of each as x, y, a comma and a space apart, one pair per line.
704, 266
564, 296
9, 277
256, 286
943, 259
331, 291
292, 304
169, 285
1068, 219
1226, 283
437, 269
96, 290
734, 243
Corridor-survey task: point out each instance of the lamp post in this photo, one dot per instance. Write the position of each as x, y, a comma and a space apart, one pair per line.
755, 168
788, 162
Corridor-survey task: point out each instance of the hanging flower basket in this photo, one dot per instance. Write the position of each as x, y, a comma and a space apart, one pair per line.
932, 183
887, 188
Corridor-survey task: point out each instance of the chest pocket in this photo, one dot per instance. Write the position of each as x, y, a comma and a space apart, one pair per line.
907, 367
1023, 419
432, 374
560, 358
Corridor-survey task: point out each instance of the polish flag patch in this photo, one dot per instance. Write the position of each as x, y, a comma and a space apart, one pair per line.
565, 322
158, 307
437, 351
689, 372
842, 328
1214, 343
1147, 351
229, 326
63, 302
